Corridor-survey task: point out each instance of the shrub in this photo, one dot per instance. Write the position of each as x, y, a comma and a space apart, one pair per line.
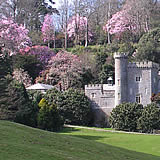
20, 108
124, 116
75, 107
52, 96
28, 63
49, 117
150, 118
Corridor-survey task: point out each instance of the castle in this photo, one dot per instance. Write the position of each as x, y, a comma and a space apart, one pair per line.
134, 82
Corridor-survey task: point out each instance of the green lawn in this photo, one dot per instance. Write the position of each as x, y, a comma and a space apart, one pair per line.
18, 142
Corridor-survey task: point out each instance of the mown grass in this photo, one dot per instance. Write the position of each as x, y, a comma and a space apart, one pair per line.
18, 142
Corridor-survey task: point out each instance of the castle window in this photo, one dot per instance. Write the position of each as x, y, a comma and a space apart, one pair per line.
138, 98
119, 96
118, 82
146, 90
138, 79
93, 95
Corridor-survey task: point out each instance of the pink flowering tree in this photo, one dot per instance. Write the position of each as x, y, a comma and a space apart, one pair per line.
48, 29
121, 22
64, 69
77, 28
13, 36
43, 53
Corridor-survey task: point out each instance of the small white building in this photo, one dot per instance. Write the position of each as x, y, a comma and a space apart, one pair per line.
40, 87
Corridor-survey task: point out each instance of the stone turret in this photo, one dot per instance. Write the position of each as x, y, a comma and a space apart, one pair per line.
121, 81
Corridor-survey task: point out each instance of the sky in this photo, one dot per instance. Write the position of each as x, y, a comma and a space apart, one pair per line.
57, 3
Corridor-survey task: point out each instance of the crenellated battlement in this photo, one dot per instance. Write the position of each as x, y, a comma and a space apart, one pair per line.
93, 86
146, 64
120, 55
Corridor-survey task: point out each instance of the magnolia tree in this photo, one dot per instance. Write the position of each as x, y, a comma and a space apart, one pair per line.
77, 28
48, 29
14, 36
64, 70
120, 23
43, 53
134, 17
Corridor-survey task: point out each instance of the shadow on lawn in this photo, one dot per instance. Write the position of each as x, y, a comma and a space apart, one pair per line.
112, 152
69, 130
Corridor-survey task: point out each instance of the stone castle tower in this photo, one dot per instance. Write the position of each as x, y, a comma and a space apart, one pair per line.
121, 79
134, 82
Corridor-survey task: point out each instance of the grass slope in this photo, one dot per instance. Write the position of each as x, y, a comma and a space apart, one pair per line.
18, 142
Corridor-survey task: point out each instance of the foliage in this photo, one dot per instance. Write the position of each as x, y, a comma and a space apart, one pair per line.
19, 108
155, 98
22, 76
14, 36
125, 116
106, 72
75, 107
148, 46
64, 69
52, 96
5, 70
28, 63
120, 22
150, 119
42, 53
48, 116
48, 29
35, 96
36, 37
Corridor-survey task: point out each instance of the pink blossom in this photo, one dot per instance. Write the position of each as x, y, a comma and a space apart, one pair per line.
48, 29
14, 36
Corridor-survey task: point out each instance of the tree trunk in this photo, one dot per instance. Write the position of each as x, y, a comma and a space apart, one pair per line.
86, 37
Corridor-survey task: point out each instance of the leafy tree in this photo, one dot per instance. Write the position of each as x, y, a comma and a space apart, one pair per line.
28, 63
42, 53
65, 69
150, 118
106, 72
125, 116
48, 116
148, 46
17, 106
75, 107
52, 96
5, 70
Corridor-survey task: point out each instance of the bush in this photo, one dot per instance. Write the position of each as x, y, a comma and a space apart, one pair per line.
75, 107
20, 108
150, 118
48, 116
28, 63
124, 116
52, 96
148, 46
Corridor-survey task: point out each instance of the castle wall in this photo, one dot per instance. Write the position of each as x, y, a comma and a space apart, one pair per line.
155, 80
103, 101
142, 87
148, 73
